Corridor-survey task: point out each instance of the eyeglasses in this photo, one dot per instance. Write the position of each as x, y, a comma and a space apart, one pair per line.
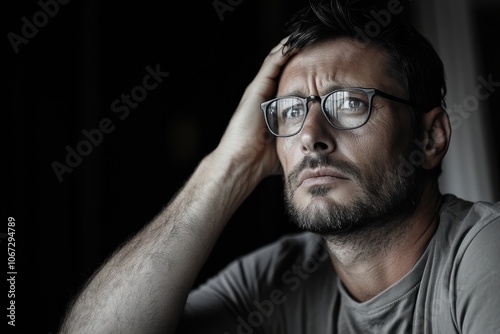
345, 109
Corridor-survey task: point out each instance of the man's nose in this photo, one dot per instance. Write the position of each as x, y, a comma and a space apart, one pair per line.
317, 134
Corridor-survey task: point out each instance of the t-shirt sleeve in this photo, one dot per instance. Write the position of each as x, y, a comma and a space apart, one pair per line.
214, 307
243, 297
477, 285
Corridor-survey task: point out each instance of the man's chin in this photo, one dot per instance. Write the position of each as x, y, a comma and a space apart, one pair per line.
333, 194
319, 191
323, 215
334, 210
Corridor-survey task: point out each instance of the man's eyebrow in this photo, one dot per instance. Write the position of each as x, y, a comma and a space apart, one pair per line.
335, 86
292, 93
328, 89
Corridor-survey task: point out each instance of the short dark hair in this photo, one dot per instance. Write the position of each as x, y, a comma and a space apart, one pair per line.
413, 62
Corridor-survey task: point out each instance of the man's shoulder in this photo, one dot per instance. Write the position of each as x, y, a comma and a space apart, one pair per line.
273, 266
456, 210
465, 264
463, 221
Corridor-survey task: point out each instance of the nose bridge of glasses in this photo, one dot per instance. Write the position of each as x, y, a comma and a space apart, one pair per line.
311, 99
309, 102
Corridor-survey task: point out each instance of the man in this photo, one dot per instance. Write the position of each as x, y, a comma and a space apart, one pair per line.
383, 250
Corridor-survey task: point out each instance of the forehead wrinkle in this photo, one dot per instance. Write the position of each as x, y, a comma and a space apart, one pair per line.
328, 89
324, 67
302, 78
321, 83
312, 83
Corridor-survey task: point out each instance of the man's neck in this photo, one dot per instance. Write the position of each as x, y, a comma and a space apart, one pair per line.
373, 261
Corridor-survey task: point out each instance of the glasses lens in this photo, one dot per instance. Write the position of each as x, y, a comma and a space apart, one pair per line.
285, 116
347, 109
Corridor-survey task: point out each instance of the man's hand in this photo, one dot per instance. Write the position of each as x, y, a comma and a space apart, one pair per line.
247, 139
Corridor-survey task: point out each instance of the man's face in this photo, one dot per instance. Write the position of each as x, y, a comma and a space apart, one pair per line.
338, 180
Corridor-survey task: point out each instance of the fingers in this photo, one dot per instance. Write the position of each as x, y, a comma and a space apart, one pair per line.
280, 45
275, 60
247, 128
265, 81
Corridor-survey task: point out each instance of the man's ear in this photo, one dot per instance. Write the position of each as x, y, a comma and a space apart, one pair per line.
436, 136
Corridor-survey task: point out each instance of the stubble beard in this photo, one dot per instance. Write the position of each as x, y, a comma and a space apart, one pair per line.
376, 217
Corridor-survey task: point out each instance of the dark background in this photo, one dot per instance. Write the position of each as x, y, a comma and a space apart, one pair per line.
64, 80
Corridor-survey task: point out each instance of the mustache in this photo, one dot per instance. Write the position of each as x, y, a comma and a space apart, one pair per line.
312, 162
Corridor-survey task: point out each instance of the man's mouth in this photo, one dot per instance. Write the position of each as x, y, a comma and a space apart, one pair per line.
320, 176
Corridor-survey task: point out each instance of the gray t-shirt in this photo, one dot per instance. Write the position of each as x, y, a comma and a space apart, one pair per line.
290, 286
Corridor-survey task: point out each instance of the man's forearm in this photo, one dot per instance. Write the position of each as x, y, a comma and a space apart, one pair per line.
142, 288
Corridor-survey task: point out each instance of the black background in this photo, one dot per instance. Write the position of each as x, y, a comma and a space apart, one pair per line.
63, 81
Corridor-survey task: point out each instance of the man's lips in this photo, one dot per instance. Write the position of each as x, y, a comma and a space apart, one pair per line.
319, 177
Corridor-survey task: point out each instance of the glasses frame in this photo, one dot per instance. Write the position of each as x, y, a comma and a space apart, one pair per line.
370, 93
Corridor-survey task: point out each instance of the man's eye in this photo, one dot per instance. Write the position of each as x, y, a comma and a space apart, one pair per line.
352, 104
293, 111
